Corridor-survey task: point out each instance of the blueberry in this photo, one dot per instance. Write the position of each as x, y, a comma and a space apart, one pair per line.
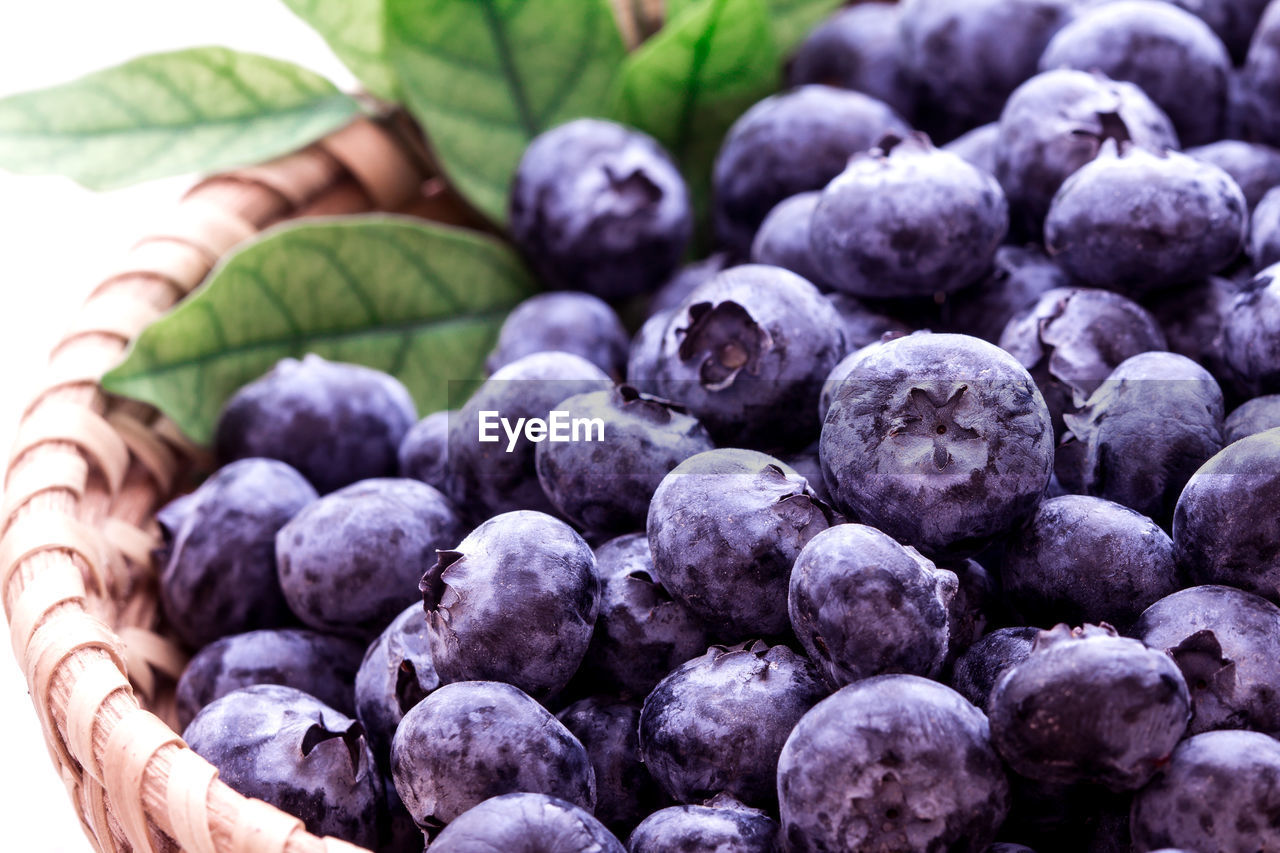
1137, 221
609, 731
1233, 20
862, 323
894, 762
1253, 416
750, 343
515, 601
577, 323
424, 453
1251, 334
680, 285
642, 633
1142, 434
319, 665
1225, 528
349, 562
1055, 123
721, 825
977, 670
857, 48
1005, 847
484, 478
280, 745
1226, 642
1079, 558
863, 605
977, 147
783, 238
1169, 53
941, 441
1072, 338
1089, 706
1254, 167
907, 219
604, 484
788, 144
1220, 791
396, 673
725, 527
526, 823
1019, 276
219, 567
970, 54
473, 740
1191, 317
1264, 239
646, 351
1259, 88
717, 724
335, 423
599, 207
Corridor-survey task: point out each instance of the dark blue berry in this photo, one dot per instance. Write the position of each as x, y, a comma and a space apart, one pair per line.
1220, 791
1135, 221
1083, 558
317, 664
717, 724
721, 825
473, 740
752, 342
335, 423
280, 745
788, 144
1170, 54
1089, 706
350, 562
863, 605
941, 441
907, 219
725, 527
894, 762
604, 482
600, 207
577, 323
514, 601
1226, 642
218, 572
1142, 434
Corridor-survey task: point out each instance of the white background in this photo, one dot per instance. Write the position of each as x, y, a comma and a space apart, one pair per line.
55, 241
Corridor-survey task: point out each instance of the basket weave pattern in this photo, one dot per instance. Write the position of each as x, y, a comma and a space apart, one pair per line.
85, 477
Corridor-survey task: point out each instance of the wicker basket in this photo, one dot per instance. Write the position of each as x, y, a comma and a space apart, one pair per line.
85, 477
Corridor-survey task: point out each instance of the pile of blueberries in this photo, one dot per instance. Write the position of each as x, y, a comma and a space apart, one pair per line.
918, 522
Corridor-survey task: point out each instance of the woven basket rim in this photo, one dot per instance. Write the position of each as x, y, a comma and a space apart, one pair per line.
85, 477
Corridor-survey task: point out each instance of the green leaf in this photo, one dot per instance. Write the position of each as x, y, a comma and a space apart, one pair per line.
791, 20
484, 77
421, 302
355, 30
794, 19
202, 109
676, 8
688, 84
